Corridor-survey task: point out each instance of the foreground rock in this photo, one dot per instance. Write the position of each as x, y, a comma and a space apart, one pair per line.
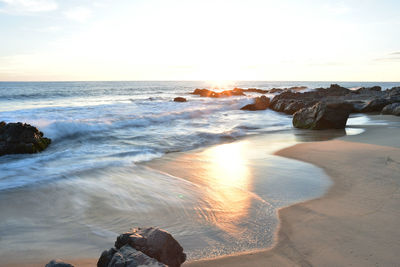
179, 99
128, 256
323, 116
260, 103
21, 138
143, 245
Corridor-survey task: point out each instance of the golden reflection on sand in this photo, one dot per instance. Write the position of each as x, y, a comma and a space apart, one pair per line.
226, 176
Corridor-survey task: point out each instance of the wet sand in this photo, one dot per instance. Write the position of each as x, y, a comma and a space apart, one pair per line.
356, 222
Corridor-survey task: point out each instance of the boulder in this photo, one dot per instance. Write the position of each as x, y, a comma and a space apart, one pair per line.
127, 256
179, 99
20, 138
58, 263
260, 103
323, 116
393, 109
155, 243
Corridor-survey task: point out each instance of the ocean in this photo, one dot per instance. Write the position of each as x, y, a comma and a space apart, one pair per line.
99, 176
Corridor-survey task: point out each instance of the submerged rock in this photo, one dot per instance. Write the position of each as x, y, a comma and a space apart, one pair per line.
392, 109
323, 116
179, 99
21, 138
58, 263
260, 103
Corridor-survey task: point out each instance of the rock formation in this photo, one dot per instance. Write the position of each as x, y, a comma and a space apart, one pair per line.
21, 138
260, 103
179, 99
323, 116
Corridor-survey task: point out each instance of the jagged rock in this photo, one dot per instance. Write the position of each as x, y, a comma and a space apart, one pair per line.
20, 138
227, 93
323, 116
106, 257
376, 105
58, 263
127, 256
260, 103
155, 243
179, 99
393, 109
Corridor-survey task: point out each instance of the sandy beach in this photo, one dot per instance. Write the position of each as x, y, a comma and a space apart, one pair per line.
355, 223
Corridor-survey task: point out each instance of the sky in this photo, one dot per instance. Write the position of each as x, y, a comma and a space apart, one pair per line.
286, 40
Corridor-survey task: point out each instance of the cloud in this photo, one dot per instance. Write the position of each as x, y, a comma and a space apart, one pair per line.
79, 14
392, 57
23, 6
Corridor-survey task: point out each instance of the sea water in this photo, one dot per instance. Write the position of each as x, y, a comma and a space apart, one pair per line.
92, 182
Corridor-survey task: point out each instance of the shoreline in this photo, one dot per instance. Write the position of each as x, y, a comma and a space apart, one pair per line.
283, 251
303, 237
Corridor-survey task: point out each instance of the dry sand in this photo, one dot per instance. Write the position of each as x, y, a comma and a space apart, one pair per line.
356, 222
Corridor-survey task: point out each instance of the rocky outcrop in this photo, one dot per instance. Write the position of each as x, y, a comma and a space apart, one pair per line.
179, 99
58, 263
150, 242
323, 116
260, 103
21, 138
227, 93
392, 109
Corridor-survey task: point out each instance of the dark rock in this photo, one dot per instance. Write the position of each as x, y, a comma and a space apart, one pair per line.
293, 107
260, 103
275, 90
254, 90
155, 243
395, 91
367, 90
106, 257
393, 109
179, 99
20, 138
58, 263
376, 105
127, 256
323, 116
297, 88
227, 93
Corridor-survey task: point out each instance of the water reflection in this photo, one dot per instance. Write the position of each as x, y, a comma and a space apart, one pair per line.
223, 174
227, 176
